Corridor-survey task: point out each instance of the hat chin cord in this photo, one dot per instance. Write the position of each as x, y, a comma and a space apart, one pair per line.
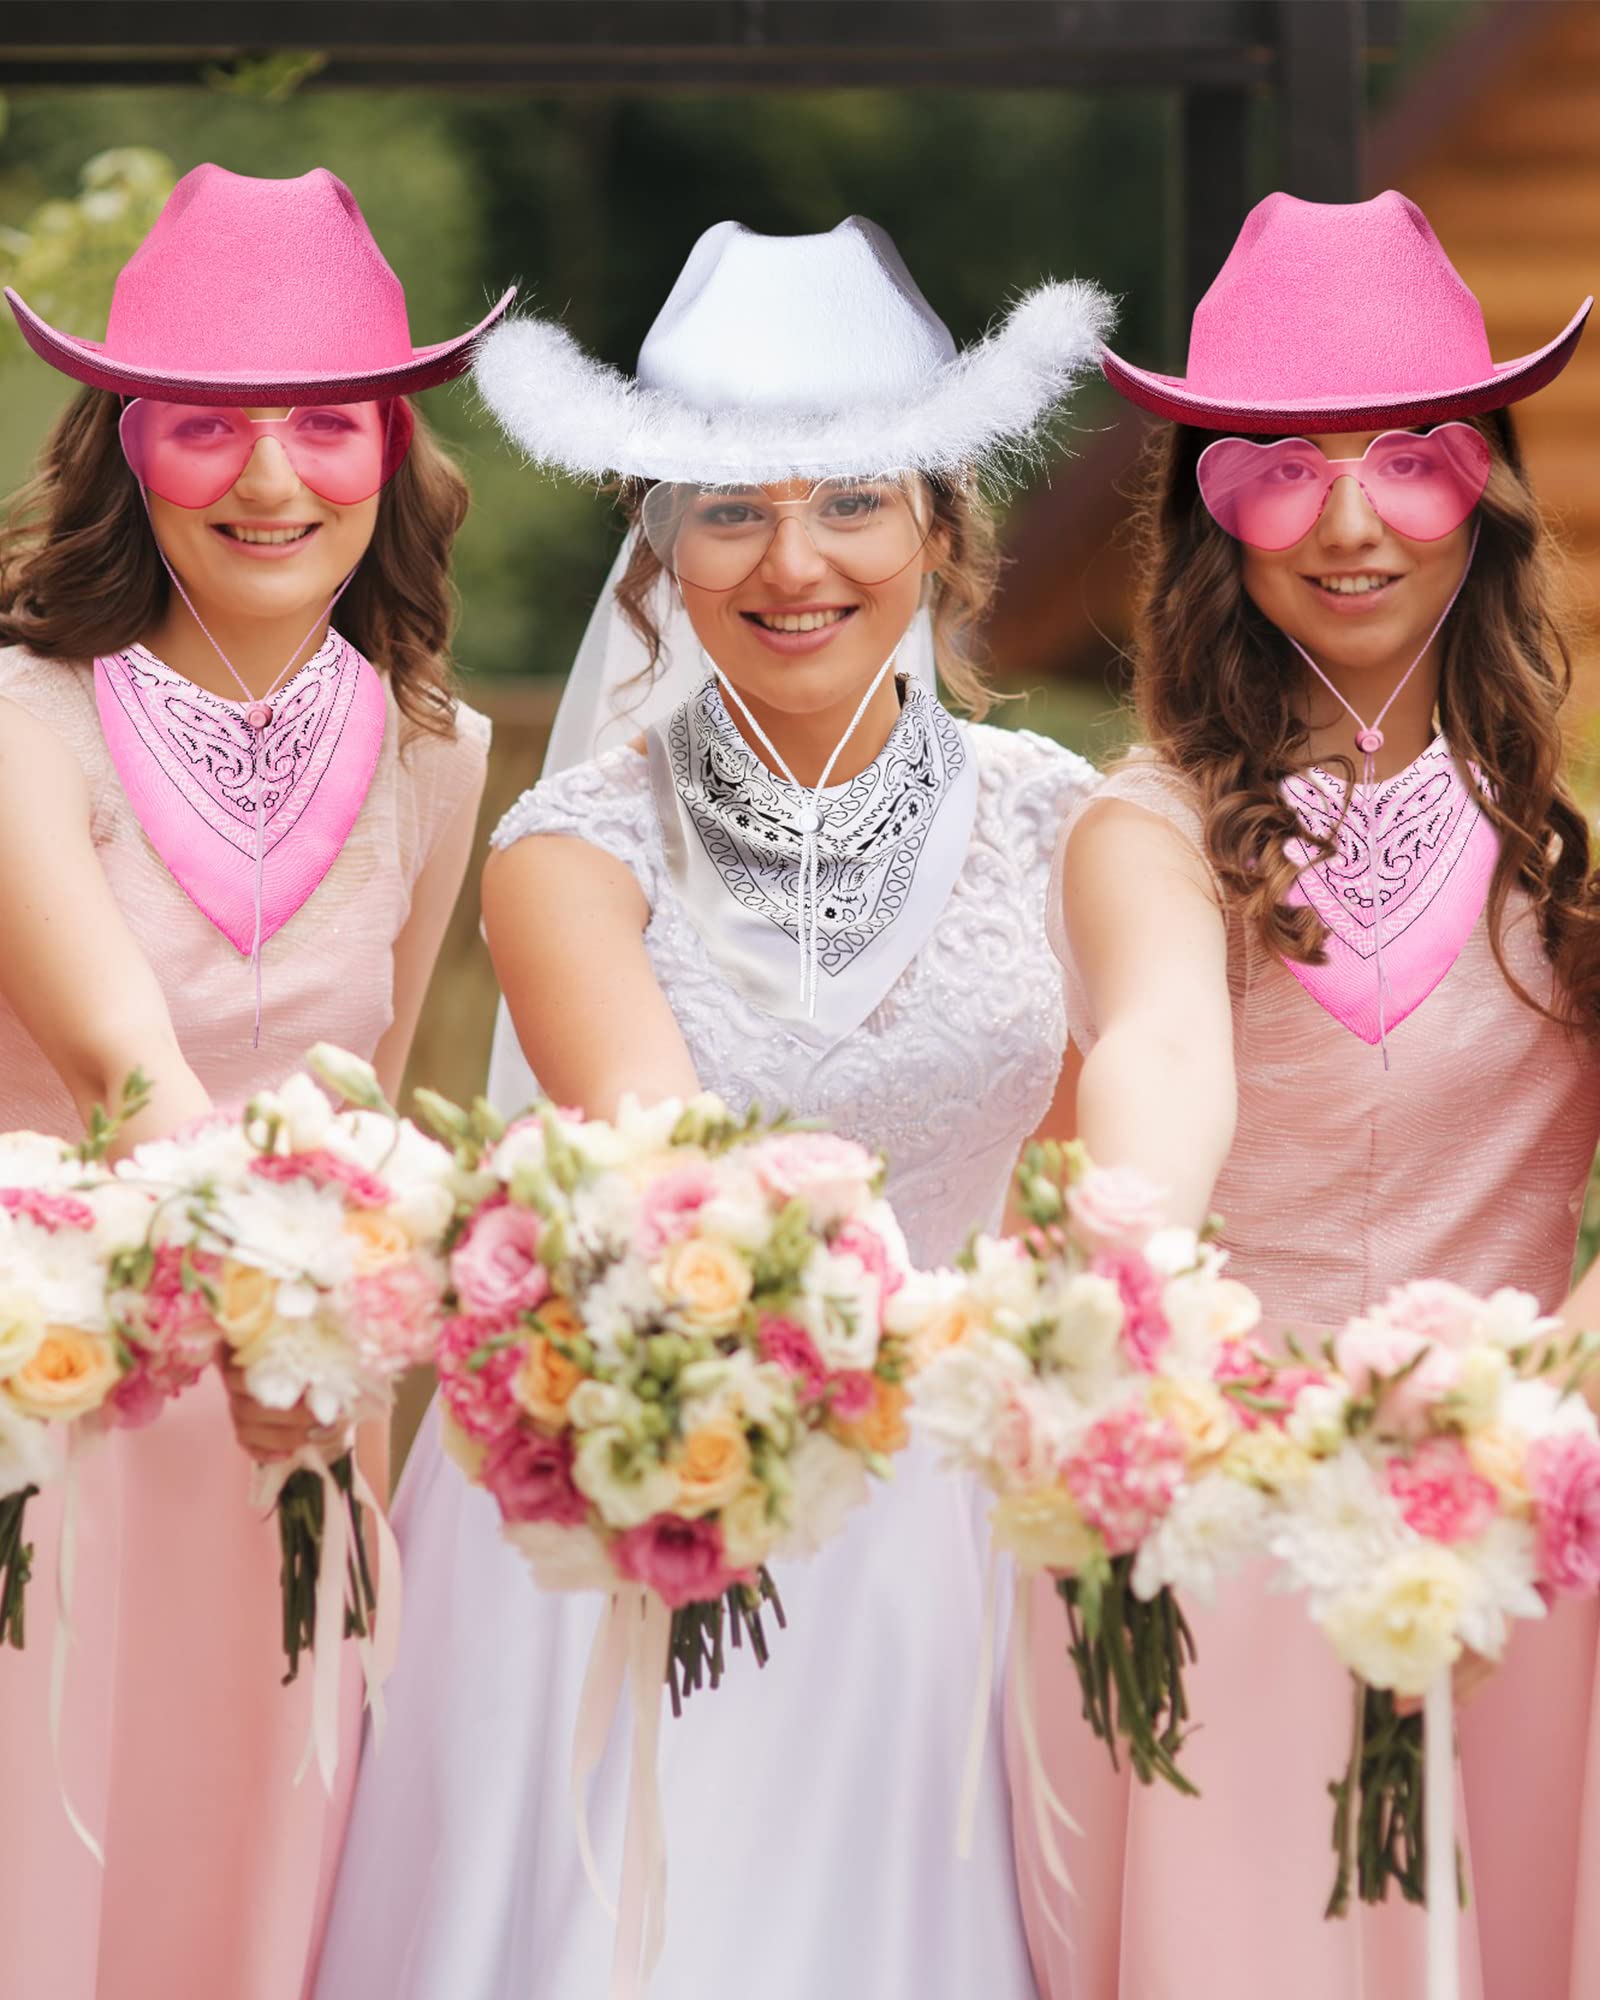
1369, 741
808, 821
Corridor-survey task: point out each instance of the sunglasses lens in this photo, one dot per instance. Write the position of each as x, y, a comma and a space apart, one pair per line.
1266, 495
191, 454
715, 537
1425, 487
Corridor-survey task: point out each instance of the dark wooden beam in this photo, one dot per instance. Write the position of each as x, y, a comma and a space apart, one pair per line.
1320, 98
1214, 194
553, 44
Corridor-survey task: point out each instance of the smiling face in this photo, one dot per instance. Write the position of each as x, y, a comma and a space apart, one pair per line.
800, 633
1355, 593
270, 548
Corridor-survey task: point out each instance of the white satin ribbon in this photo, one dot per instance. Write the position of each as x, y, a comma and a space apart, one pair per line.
1043, 1800
630, 1646
66, 1572
377, 1650
1439, 1839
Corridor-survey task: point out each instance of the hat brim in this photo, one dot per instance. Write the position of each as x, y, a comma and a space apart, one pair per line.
90, 362
1170, 395
989, 408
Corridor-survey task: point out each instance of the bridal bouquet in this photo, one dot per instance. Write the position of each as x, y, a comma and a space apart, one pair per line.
313, 1237
1086, 1371
73, 1362
667, 1363
667, 1360
1440, 1479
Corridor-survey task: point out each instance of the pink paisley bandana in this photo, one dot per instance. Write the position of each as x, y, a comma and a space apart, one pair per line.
206, 785
1435, 853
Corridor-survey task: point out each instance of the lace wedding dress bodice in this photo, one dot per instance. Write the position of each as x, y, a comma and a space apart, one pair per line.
957, 1065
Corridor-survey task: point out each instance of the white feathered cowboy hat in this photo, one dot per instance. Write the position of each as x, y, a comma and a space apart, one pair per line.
793, 357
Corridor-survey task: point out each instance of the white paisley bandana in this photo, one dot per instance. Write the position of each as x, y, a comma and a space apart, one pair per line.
891, 844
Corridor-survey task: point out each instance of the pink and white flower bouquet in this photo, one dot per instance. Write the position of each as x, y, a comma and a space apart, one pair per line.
72, 1364
667, 1358
668, 1363
307, 1242
1439, 1478
1084, 1371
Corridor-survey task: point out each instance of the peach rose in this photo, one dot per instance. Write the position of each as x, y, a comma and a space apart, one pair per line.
750, 1528
247, 1299
883, 1427
71, 1374
707, 1282
712, 1465
558, 1319
545, 1382
1201, 1416
1044, 1530
1500, 1455
375, 1239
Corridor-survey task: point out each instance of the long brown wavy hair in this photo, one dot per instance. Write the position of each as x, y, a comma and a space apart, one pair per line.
80, 574
1219, 695
969, 567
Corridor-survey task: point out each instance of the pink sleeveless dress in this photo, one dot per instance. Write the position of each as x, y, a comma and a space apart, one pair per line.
179, 1745
1467, 1160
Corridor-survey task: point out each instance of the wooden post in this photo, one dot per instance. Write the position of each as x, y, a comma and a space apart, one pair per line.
1213, 196
1320, 98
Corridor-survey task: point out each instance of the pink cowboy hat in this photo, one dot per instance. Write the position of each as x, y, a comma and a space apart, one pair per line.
255, 291
1333, 316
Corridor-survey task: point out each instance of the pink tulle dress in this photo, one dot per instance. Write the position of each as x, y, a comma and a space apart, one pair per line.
1467, 1160
179, 1745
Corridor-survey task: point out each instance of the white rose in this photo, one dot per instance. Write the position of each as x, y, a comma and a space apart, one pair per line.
830, 1482
626, 1481
1086, 1313
28, 1451
961, 1395
1511, 1318
1204, 1312
595, 1406
562, 1558
22, 1325
1005, 1282
1171, 1252
523, 1146
838, 1304
1318, 1422
1399, 1628
739, 1212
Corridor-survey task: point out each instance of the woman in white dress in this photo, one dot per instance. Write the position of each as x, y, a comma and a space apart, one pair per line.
805, 886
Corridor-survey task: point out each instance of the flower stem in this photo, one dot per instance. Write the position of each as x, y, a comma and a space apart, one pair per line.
16, 1566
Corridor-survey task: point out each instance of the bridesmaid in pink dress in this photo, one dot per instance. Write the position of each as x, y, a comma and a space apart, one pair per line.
1344, 606
175, 712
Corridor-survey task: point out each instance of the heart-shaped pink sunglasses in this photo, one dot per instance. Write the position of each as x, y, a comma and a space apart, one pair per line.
1270, 495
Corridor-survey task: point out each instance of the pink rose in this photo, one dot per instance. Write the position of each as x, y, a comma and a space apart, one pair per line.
854, 1392
870, 1251
1370, 1352
530, 1475
1019, 1447
668, 1206
681, 1561
1440, 1494
1434, 1310
323, 1169
48, 1211
1248, 1364
496, 1265
1145, 1331
1115, 1208
170, 1333
393, 1314
831, 1175
476, 1373
1125, 1475
795, 1352
1564, 1478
